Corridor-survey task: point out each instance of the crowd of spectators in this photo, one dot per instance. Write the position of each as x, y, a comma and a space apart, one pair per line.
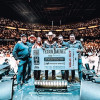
18, 24
89, 36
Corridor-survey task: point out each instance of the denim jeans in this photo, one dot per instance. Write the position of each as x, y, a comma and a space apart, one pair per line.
29, 66
80, 69
21, 71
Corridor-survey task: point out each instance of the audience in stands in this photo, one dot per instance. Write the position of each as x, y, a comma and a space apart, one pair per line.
90, 36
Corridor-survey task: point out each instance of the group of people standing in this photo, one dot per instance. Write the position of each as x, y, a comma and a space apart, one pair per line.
23, 57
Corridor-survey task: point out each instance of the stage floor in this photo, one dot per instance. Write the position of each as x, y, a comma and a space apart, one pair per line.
28, 93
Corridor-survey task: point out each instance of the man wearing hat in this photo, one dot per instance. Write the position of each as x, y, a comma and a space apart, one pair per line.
31, 39
21, 53
50, 43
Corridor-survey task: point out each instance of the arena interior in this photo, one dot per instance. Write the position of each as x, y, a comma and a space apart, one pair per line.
23, 18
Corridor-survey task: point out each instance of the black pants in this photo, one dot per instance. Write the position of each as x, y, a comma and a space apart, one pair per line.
46, 74
73, 75
37, 74
65, 74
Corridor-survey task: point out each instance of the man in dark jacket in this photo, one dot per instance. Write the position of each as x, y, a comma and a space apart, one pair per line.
21, 53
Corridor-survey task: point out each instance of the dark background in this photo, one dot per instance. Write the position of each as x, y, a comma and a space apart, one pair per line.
46, 11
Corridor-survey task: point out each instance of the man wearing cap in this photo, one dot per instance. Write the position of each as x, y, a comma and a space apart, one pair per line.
62, 44
50, 43
73, 43
31, 42
21, 53
31, 39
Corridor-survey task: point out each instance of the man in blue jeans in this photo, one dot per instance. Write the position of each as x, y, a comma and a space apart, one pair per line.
73, 43
21, 54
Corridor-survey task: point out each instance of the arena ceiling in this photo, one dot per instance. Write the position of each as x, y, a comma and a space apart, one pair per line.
50, 11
